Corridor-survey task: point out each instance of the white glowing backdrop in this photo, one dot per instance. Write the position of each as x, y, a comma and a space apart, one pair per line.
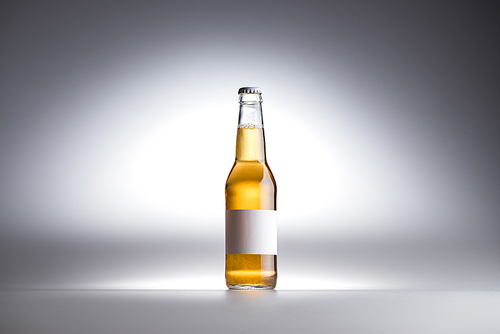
114, 166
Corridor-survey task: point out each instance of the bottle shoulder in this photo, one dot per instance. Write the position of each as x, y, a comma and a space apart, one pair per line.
250, 186
250, 171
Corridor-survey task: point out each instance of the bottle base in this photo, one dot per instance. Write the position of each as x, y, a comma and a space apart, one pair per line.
251, 271
250, 287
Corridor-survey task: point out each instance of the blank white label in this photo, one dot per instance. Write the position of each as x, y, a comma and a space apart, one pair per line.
251, 232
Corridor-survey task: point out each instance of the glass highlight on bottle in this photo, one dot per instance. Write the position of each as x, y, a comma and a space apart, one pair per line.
251, 228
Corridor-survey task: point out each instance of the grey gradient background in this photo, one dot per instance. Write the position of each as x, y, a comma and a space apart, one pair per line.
117, 131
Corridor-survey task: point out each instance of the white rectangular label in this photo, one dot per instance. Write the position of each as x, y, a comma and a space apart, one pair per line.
251, 232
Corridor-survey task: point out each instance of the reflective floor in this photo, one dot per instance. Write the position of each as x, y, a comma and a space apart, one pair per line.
220, 311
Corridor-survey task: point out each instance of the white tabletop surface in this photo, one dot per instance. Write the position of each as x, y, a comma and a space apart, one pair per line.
219, 311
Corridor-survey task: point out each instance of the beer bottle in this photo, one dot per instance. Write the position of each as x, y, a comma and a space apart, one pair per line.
251, 226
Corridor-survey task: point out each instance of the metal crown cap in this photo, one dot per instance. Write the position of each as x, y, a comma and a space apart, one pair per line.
250, 90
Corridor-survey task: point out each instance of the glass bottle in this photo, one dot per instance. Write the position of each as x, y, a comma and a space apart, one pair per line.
251, 228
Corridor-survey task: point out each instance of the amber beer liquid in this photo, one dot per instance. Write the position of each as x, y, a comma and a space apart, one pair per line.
251, 228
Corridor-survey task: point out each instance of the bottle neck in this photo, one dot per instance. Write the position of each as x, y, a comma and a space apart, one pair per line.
250, 142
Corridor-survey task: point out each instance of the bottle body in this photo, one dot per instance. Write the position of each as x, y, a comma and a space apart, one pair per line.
251, 254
